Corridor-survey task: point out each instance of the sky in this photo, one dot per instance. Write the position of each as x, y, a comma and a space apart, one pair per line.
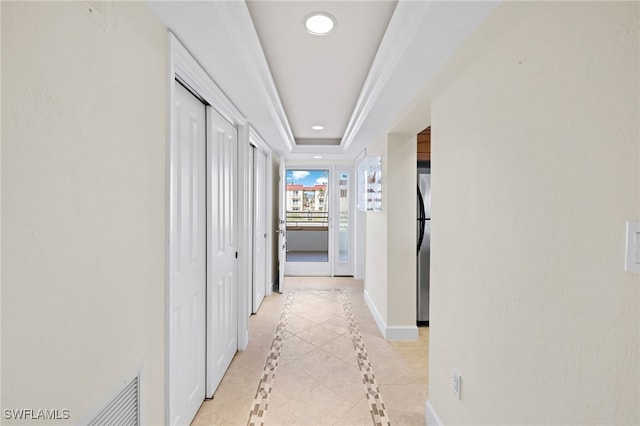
307, 177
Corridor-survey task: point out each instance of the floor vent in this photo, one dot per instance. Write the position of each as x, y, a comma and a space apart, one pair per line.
123, 409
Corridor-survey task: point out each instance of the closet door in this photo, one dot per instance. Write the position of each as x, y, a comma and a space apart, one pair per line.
259, 228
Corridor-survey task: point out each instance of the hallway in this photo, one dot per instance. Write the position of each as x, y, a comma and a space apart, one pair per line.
318, 378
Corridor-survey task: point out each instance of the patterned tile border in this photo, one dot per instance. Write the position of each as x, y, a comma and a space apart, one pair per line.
377, 407
261, 400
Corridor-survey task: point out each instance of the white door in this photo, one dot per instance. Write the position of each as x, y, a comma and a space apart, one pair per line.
259, 228
222, 277
282, 225
250, 226
188, 257
302, 237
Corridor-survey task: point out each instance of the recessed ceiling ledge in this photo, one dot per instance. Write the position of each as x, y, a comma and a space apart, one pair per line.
401, 30
240, 25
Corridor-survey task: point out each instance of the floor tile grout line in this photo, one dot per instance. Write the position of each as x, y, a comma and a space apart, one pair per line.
261, 400
376, 404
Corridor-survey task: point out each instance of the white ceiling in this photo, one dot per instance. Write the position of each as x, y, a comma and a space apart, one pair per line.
319, 77
284, 80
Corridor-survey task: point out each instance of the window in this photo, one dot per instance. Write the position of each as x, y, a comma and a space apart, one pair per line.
306, 192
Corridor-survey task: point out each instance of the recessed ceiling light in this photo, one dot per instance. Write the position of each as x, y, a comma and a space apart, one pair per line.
317, 127
317, 157
319, 23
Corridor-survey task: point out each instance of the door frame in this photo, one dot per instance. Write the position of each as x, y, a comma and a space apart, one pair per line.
257, 143
256, 140
344, 268
184, 68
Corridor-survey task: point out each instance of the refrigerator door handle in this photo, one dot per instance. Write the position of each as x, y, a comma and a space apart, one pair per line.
421, 219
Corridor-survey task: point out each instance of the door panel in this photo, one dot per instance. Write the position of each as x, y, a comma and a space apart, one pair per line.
282, 225
260, 229
343, 212
188, 256
307, 222
222, 278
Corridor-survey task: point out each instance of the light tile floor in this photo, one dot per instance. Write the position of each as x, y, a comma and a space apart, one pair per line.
318, 378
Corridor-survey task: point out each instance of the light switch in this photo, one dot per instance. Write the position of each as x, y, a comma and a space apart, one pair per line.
632, 255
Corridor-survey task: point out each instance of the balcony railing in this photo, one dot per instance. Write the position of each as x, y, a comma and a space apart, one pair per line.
301, 219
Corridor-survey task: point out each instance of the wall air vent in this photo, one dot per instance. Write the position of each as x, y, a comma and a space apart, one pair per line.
123, 409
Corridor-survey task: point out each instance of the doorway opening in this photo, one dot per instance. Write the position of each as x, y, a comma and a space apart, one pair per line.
307, 215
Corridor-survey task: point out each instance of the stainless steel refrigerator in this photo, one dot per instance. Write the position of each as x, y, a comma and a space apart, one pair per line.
424, 243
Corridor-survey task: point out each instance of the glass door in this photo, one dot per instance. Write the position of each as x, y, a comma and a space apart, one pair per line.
343, 208
308, 222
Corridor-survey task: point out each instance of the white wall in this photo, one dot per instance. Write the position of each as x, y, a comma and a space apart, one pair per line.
83, 208
535, 169
359, 247
375, 284
390, 258
401, 231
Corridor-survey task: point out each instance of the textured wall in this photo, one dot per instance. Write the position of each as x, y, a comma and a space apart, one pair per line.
401, 231
536, 168
83, 213
376, 238
390, 278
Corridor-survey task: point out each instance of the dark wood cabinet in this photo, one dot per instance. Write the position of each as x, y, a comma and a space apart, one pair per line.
424, 145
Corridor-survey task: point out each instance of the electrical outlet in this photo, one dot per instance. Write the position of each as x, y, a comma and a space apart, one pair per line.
456, 382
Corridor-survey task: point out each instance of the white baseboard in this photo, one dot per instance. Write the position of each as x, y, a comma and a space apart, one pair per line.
431, 416
390, 332
382, 325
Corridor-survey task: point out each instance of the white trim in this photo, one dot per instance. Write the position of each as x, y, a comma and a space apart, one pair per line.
431, 417
399, 34
360, 239
248, 212
240, 25
323, 163
245, 238
318, 149
408, 332
261, 145
257, 141
171, 72
270, 230
380, 322
191, 73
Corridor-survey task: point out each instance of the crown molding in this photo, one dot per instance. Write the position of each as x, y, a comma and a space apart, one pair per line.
400, 32
318, 149
240, 25
258, 141
186, 69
